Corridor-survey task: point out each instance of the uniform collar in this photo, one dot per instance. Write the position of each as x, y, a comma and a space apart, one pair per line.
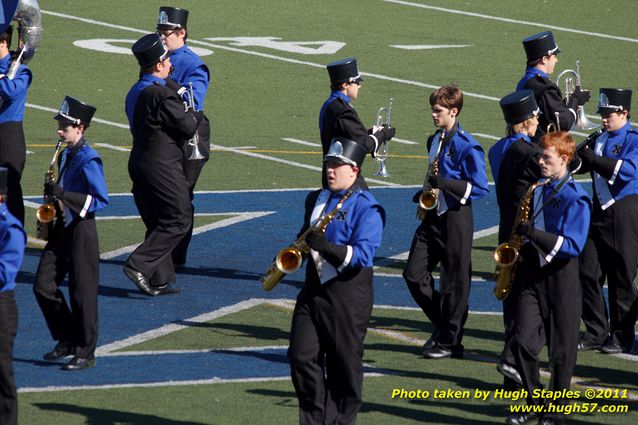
621, 131
5, 59
182, 49
153, 79
532, 70
335, 94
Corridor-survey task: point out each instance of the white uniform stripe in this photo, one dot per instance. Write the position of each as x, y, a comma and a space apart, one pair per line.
86, 206
346, 261
466, 195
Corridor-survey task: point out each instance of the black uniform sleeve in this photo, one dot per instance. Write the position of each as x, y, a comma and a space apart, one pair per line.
174, 116
544, 241
550, 100
349, 123
75, 201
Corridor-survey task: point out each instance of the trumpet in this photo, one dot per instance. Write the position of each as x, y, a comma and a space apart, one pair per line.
289, 259
194, 142
582, 123
383, 119
45, 214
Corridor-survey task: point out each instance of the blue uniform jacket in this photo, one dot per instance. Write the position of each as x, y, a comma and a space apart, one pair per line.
190, 68
500, 148
358, 226
83, 182
12, 242
462, 159
566, 216
13, 93
621, 145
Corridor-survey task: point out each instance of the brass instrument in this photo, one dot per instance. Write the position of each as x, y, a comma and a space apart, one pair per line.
506, 254
582, 123
383, 119
29, 28
429, 198
45, 213
194, 142
289, 259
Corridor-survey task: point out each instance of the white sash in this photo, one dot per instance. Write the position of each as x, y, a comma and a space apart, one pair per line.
325, 271
602, 189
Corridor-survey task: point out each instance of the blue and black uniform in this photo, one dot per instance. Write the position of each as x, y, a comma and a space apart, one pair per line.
445, 237
549, 99
612, 248
72, 250
189, 68
160, 127
12, 242
13, 152
514, 161
331, 316
560, 216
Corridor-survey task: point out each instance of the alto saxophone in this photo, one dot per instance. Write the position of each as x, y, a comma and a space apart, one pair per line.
506, 254
429, 198
46, 212
289, 259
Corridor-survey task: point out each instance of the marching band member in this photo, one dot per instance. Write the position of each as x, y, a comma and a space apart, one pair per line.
445, 233
556, 235
338, 118
331, 316
542, 56
72, 247
612, 248
159, 125
188, 70
514, 161
12, 242
13, 150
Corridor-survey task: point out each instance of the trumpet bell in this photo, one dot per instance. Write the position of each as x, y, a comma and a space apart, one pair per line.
45, 213
583, 123
505, 255
195, 153
289, 260
383, 170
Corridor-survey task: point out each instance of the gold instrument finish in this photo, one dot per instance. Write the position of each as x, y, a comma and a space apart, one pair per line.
383, 119
45, 214
429, 198
289, 259
506, 254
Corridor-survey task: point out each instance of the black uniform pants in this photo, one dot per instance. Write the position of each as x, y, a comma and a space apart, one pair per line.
595, 315
160, 191
326, 349
444, 240
192, 170
613, 255
8, 331
71, 250
13, 154
549, 299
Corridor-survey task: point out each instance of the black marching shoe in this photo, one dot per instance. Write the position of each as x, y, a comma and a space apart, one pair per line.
521, 419
61, 349
167, 289
587, 345
611, 348
140, 281
79, 363
439, 352
509, 371
432, 341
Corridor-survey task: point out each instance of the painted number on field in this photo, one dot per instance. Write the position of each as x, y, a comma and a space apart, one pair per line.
120, 46
275, 43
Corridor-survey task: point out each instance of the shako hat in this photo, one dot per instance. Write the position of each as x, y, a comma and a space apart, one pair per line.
344, 70
346, 151
73, 111
519, 106
149, 50
171, 17
614, 100
539, 45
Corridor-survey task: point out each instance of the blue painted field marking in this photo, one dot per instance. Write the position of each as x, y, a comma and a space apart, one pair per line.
224, 268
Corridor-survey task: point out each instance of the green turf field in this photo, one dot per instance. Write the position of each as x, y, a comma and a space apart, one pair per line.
260, 96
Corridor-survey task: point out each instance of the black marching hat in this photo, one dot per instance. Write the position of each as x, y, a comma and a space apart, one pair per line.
519, 106
4, 173
614, 100
344, 70
75, 112
346, 151
171, 17
539, 45
149, 50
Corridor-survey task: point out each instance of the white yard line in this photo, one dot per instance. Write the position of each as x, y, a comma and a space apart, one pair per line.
512, 21
301, 142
